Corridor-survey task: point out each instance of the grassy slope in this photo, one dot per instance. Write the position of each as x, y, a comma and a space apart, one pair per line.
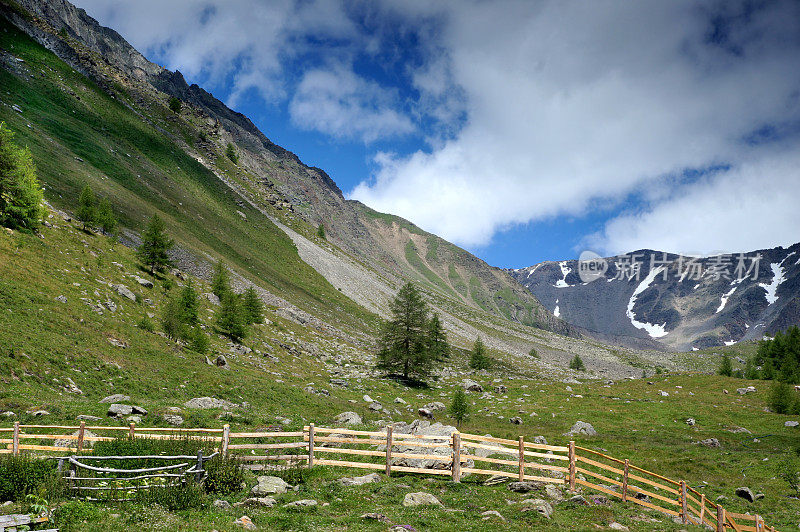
43, 339
144, 171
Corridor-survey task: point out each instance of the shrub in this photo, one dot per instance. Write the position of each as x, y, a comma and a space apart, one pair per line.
782, 398
146, 324
230, 153
533, 353
87, 211
725, 367
223, 476
199, 342
577, 364
73, 515
173, 498
22, 475
321, 231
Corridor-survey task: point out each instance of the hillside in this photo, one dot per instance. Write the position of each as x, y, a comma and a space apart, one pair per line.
681, 302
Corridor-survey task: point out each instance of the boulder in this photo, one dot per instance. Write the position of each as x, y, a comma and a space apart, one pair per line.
537, 505
143, 282
399, 401
359, 481
489, 514
269, 486
500, 389
367, 398
221, 504
435, 406
173, 419
257, 502
516, 420
61, 299
239, 349
791, 424
375, 406
618, 526
209, 402
471, 386
424, 412
39, 413
348, 418
246, 523
373, 516
691, 422
711, 442
123, 291
553, 493
745, 391
221, 362
119, 410
118, 343
302, 503
745, 493
339, 382
212, 298
581, 427
134, 419
420, 498
138, 410
86, 417
524, 486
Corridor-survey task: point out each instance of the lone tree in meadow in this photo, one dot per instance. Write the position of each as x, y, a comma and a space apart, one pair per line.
155, 245
106, 218
20, 192
87, 211
459, 409
725, 367
577, 363
405, 344
478, 359
175, 105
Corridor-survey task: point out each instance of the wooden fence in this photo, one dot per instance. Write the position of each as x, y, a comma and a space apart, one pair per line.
453, 456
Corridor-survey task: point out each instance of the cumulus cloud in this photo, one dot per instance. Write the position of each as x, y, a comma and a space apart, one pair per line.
571, 104
338, 102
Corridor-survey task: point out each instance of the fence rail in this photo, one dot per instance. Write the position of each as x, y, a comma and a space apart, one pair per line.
386, 450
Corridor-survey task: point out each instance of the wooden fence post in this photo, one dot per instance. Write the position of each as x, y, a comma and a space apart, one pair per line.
758, 523
456, 457
389, 442
720, 519
131, 430
81, 432
226, 436
200, 471
572, 466
625, 481
311, 445
684, 511
702, 508
521, 458
15, 441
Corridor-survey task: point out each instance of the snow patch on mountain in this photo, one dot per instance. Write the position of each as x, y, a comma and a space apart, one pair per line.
724, 299
772, 288
654, 330
562, 283
557, 311
534, 269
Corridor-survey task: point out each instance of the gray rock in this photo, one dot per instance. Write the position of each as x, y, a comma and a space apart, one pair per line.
119, 410
524, 486
553, 493
110, 305
143, 282
618, 526
9, 413
134, 419
759, 496
581, 427
61, 299
420, 498
435, 406
500, 389
268, 485
212, 298
516, 420
577, 500
373, 516
691, 422
471, 386
791, 424
740, 430
376, 406
399, 401
117, 343
745, 493
239, 349
221, 362
173, 419
424, 412
711, 442
86, 417
209, 402
138, 410
124, 291
339, 382
367, 398
221, 504
39, 413
359, 481
745, 391
488, 514
302, 503
246, 523
258, 502
537, 505
348, 418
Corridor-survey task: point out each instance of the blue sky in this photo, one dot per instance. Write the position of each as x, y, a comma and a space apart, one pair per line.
521, 130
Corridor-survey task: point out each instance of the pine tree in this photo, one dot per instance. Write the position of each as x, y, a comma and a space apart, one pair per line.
252, 307
106, 218
188, 305
155, 245
175, 105
86, 213
478, 359
220, 281
20, 193
459, 409
725, 367
782, 398
230, 152
577, 363
231, 318
171, 321
321, 231
437, 345
403, 339
750, 370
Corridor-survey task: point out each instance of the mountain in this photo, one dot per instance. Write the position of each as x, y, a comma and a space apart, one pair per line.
94, 111
681, 302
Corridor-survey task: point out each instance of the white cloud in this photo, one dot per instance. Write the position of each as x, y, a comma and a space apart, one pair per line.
338, 102
571, 104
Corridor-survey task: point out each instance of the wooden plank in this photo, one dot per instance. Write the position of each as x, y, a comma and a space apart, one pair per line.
545, 447
665, 479
489, 439
360, 452
598, 488
404, 469
358, 441
270, 457
545, 479
497, 450
26, 447
646, 504
267, 434
548, 467
746, 517
653, 483
490, 460
287, 445
625, 482
599, 476
653, 495
733, 523
509, 474
617, 460
598, 464
548, 456
311, 434
342, 463
27, 436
